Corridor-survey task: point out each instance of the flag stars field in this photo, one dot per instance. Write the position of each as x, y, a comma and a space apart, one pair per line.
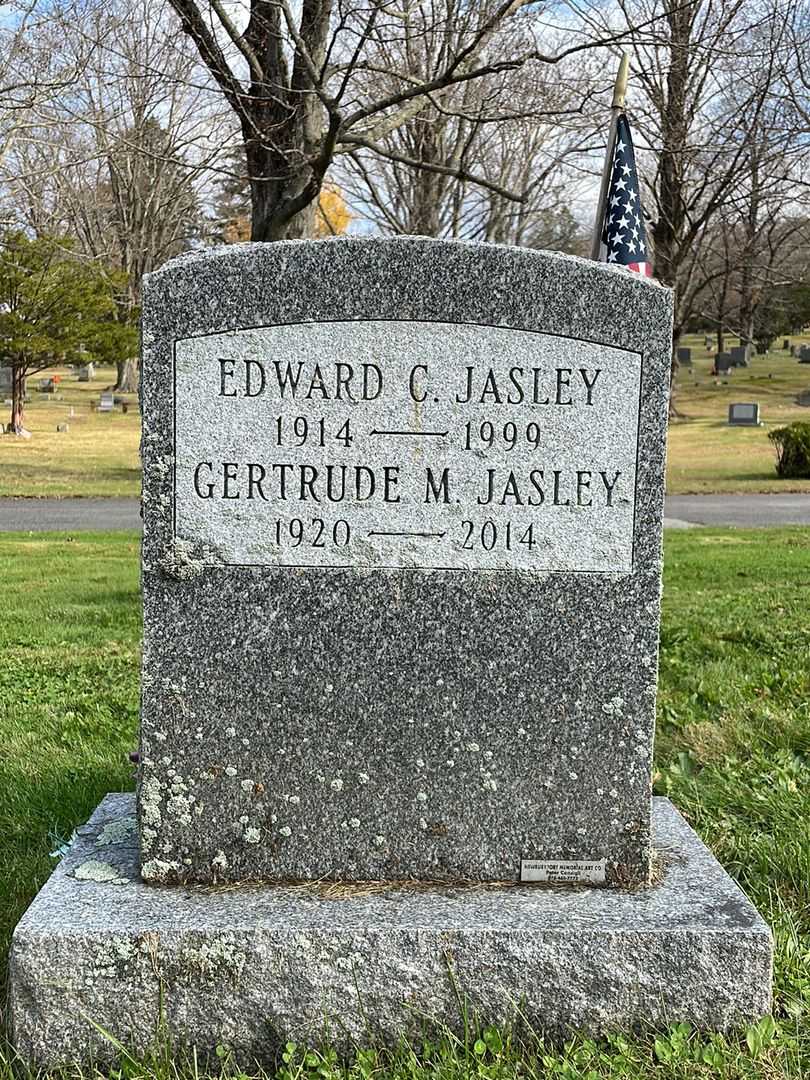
624, 241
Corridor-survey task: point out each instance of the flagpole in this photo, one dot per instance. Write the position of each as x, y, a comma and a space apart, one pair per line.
616, 109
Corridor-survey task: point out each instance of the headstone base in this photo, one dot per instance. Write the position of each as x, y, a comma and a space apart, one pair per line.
250, 966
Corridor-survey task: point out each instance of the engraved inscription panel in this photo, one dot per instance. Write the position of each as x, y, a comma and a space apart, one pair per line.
406, 445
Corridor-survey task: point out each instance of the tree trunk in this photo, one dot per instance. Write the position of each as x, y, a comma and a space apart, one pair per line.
674, 368
265, 224
746, 311
722, 303
427, 188
668, 230
665, 272
748, 256
271, 188
18, 403
425, 213
302, 226
747, 332
126, 379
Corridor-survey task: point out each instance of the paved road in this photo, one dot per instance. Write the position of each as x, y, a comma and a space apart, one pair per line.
743, 510
683, 511
44, 515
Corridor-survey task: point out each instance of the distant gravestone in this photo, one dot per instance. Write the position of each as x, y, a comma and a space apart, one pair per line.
106, 402
744, 414
86, 372
738, 356
803, 397
792, 350
786, 344
6, 378
47, 386
685, 357
401, 569
62, 428
804, 354
722, 363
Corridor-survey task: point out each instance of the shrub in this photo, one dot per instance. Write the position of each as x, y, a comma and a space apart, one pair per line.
792, 449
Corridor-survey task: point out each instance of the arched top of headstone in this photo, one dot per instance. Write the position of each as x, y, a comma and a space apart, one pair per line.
401, 278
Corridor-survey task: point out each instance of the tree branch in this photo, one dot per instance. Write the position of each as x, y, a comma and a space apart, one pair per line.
445, 170
208, 46
239, 41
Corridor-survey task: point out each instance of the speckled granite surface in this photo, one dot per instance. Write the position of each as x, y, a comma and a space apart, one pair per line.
363, 723
252, 966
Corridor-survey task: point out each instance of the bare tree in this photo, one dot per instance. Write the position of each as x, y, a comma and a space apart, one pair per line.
298, 82
741, 258
114, 163
686, 57
487, 161
767, 235
28, 73
714, 293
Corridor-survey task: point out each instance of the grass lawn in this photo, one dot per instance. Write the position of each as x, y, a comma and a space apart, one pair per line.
98, 456
705, 454
733, 752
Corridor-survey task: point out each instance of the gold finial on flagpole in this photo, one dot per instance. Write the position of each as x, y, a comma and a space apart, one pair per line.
620, 86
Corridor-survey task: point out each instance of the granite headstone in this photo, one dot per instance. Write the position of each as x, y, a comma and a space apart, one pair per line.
744, 414
402, 557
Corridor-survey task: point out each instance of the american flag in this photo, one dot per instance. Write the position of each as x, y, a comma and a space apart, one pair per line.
624, 240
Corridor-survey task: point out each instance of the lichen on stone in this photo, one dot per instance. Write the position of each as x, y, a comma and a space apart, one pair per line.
151, 815
187, 560
614, 707
158, 869
117, 832
100, 872
217, 959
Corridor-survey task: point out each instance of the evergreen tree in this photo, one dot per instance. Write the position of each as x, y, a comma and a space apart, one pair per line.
54, 308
